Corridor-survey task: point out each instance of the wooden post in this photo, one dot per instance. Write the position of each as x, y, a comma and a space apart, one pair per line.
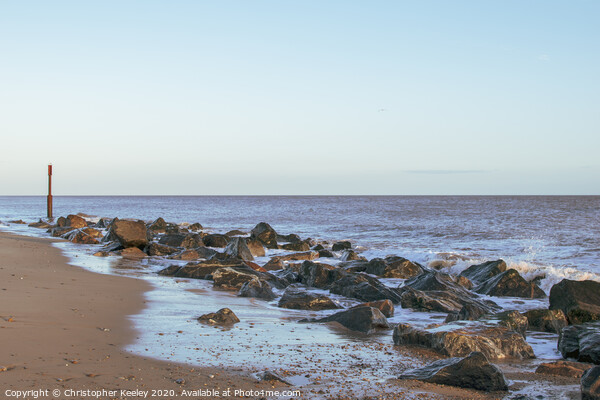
49, 191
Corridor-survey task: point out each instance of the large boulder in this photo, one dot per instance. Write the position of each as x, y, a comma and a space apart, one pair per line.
257, 288
222, 317
202, 269
318, 275
192, 240
265, 234
360, 319
158, 226
590, 384
393, 267
581, 342
298, 299
75, 221
157, 249
543, 320
569, 369
237, 248
215, 240
172, 239
480, 273
510, 284
471, 372
456, 340
579, 300
128, 233
81, 237
364, 287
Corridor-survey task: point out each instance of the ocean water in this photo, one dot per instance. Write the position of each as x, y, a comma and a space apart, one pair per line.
546, 237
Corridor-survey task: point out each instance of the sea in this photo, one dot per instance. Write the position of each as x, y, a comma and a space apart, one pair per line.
547, 238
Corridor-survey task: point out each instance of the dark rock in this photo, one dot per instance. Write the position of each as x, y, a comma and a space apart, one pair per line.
132, 253
257, 288
61, 222
173, 229
543, 320
360, 319
434, 280
364, 287
222, 317
472, 372
75, 221
338, 246
192, 240
291, 238
308, 255
399, 267
195, 227
351, 255
325, 253
569, 369
385, 306
510, 283
235, 232
41, 225
61, 231
274, 264
455, 340
579, 300
158, 226
256, 248
318, 275
156, 249
296, 246
128, 233
18, 222
480, 273
433, 300
318, 247
103, 223
590, 384
95, 233
513, 320
468, 312
80, 237
237, 248
195, 254
464, 282
201, 270
232, 279
265, 234
295, 298
172, 239
215, 240
288, 276
581, 342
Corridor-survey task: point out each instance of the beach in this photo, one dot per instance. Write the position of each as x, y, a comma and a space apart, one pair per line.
64, 328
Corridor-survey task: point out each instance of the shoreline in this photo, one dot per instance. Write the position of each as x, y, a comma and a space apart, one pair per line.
65, 328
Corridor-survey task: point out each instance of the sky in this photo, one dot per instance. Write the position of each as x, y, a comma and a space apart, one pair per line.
300, 97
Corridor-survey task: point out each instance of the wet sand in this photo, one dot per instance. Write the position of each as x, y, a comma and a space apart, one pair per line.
63, 327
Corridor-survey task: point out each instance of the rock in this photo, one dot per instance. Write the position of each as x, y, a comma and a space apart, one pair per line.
434, 280
75, 221
80, 237
195, 254
158, 226
128, 233
318, 247
296, 246
61, 222
191, 241
385, 306
202, 269
468, 312
271, 376
297, 299
510, 283
274, 264
351, 255
581, 342
291, 238
41, 225
455, 340
156, 249
434, 300
257, 288
464, 282
325, 253
92, 232
101, 254
513, 320
543, 320
232, 279
471, 372
317, 275
235, 232
216, 240
18, 222
338, 246
222, 317
590, 384
364, 287
308, 255
172, 239
480, 273
61, 231
256, 248
288, 276
195, 227
132, 253
237, 248
360, 319
399, 267
569, 369
103, 223
579, 300
265, 234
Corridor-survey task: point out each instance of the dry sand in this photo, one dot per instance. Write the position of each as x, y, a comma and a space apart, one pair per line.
65, 328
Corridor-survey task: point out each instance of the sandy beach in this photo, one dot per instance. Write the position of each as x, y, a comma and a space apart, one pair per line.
64, 328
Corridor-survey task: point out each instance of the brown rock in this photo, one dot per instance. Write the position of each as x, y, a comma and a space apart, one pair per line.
570, 369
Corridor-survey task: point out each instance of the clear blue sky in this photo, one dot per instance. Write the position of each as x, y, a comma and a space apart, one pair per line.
300, 97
